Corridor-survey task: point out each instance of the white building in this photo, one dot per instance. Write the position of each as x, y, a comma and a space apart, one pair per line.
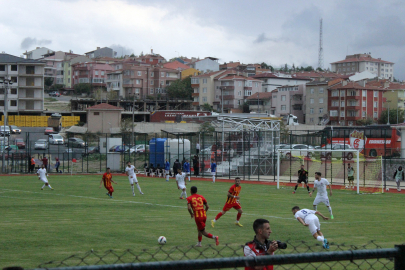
364, 62
39, 52
207, 64
273, 80
26, 94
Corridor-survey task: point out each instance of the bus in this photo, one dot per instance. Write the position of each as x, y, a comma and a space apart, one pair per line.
372, 140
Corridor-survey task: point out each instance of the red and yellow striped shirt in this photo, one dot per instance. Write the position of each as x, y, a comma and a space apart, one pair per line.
234, 190
107, 179
197, 204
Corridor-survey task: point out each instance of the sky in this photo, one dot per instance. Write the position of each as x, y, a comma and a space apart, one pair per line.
256, 31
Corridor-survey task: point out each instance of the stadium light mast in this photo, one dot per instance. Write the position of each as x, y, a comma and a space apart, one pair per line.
320, 52
6, 85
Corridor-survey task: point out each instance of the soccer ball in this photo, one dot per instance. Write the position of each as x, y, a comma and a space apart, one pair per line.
162, 240
347, 187
388, 189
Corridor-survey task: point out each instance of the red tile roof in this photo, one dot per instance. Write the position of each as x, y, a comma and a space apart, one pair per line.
105, 106
176, 65
263, 95
362, 59
355, 85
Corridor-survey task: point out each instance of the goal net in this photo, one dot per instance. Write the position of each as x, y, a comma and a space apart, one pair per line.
333, 165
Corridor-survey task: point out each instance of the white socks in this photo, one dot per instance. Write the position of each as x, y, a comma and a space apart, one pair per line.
45, 186
167, 177
315, 206
132, 187
139, 188
330, 210
183, 194
189, 178
213, 179
320, 238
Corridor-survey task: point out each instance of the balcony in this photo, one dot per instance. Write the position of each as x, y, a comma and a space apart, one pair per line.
334, 98
195, 94
334, 118
353, 108
128, 85
353, 97
80, 68
196, 103
195, 85
229, 97
247, 87
227, 87
353, 118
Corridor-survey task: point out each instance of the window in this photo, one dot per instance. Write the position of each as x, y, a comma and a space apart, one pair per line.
204, 80
311, 110
68, 80
240, 93
320, 90
248, 93
375, 115
335, 93
342, 114
136, 90
102, 73
195, 81
342, 93
152, 74
2, 67
96, 72
137, 81
96, 113
151, 82
352, 93
321, 100
363, 114
13, 103
364, 93
312, 90
283, 107
139, 73
311, 101
240, 83
375, 93
204, 99
13, 67
151, 90
1, 103
335, 103
311, 120
333, 113
342, 104
204, 90
320, 110
162, 74
13, 91
283, 98
364, 103
375, 104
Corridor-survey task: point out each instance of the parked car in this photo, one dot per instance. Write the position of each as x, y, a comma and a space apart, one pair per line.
55, 139
11, 147
112, 148
4, 130
54, 94
48, 130
339, 146
75, 142
298, 150
141, 148
20, 143
91, 150
15, 129
41, 144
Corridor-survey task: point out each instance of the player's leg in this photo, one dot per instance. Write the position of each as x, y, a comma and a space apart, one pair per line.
185, 193
131, 182
295, 189
48, 185
238, 216
199, 238
206, 234
213, 177
306, 183
189, 179
139, 188
398, 186
167, 176
326, 202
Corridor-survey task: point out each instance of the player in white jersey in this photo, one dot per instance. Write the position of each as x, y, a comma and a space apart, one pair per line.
130, 171
42, 176
181, 184
308, 218
322, 196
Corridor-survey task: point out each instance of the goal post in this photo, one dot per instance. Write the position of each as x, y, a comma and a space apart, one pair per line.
331, 163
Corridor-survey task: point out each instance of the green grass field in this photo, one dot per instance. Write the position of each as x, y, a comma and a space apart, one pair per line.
43, 225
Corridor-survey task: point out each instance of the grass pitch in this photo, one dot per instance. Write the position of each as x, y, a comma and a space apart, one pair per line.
43, 225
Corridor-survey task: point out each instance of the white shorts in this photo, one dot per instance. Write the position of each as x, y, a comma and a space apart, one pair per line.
167, 171
213, 173
44, 180
133, 179
319, 199
313, 224
182, 186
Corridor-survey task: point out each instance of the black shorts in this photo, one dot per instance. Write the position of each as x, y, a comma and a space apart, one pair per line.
302, 180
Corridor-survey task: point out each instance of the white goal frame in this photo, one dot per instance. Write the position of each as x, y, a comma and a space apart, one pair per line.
321, 150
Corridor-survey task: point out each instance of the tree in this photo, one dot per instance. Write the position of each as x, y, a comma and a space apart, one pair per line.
82, 88
393, 116
48, 81
180, 89
207, 127
271, 68
126, 125
285, 68
132, 55
112, 95
206, 107
366, 122
244, 107
319, 69
264, 65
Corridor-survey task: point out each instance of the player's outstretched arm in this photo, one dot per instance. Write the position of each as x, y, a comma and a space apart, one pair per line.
206, 206
190, 210
319, 214
302, 221
330, 190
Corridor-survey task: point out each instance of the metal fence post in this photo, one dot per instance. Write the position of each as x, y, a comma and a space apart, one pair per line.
400, 258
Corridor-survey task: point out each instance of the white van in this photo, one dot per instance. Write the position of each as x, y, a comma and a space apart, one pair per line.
5, 129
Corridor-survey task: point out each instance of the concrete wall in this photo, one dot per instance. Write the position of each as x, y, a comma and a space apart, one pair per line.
101, 122
158, 127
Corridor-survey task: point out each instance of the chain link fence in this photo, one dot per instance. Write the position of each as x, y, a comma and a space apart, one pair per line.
165, 254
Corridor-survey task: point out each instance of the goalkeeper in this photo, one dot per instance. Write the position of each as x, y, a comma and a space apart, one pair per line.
302, 178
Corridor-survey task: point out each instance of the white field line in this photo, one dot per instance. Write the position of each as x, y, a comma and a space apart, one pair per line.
156, 204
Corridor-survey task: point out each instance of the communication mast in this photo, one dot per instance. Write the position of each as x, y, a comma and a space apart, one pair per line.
320, 54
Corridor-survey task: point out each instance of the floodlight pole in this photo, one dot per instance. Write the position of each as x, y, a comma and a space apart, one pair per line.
223, 123
278, 169
358, 171
6, 84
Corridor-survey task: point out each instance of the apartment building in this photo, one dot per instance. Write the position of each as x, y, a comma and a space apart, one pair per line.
90, 72
364, 62
204, 88
151, 59
316, 101
27, 91
249, 69
260, 102
101, 52
273, 80
70, 60
38, 53
289, 99
206, 65
349, 102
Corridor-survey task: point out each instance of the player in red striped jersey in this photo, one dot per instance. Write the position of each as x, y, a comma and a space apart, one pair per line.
107, 179
195, 205
232, 202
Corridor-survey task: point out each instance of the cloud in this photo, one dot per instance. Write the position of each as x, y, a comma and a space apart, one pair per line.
262, 38
121, 50
29, 42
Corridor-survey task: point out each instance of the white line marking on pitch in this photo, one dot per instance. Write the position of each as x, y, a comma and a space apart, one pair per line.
157, 204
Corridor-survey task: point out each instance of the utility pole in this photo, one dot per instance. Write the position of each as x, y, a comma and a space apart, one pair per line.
258, 108
320, 52
6, 84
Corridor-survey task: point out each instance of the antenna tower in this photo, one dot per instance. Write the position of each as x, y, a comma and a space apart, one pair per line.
320, 53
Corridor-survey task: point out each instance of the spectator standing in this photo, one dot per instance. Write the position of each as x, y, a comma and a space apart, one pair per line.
45, 162
398, 176
176, 167
57, 164
196, 166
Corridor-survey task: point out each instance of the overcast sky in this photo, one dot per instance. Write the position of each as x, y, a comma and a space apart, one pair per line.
275, 32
